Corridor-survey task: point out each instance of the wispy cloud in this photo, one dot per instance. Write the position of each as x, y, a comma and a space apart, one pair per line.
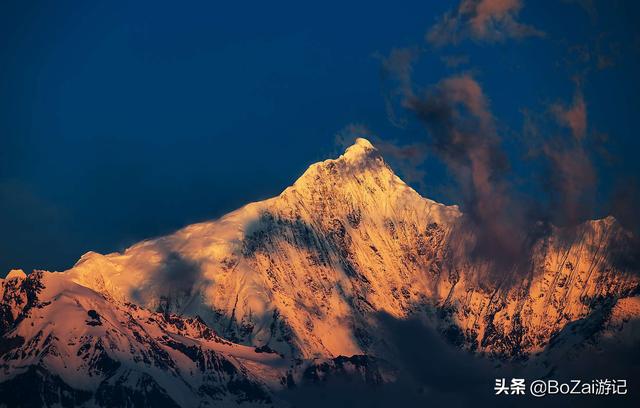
505, 210
574, 116
397, 67
483, 21
462, 132
571, 180
571, 177
348, 134
407, 159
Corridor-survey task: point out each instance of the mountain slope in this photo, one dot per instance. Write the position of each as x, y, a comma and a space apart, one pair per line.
79, 347
305, 272
63, 344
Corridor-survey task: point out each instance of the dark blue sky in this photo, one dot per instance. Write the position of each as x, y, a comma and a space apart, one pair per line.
124, 120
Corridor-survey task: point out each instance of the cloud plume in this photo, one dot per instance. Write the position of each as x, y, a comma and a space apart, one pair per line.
397, 66
461, 131
569, 177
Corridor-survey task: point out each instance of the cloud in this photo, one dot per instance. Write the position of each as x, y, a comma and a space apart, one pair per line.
597, 53
571, 181
432, 372
407, 159
574, 117
346, 136
398, 65
461, 131
486, 21
428, 372
624, 207
506, 211
504, 214
571, 176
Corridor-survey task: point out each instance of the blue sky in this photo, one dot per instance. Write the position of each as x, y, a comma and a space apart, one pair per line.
124, 120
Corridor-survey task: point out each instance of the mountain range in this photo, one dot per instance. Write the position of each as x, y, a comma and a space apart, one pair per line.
348, 276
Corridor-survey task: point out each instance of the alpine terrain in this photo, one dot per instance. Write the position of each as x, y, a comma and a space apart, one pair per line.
314, 284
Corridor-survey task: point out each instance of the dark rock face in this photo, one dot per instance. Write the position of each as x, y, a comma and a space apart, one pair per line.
144, 392
366, 368
39, 388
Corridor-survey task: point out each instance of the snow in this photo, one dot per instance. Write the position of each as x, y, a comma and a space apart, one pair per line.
16, 274
302, 271
59, 337
305, 273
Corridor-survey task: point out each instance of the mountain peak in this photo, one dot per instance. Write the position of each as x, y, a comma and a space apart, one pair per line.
360, 155
361, 148
361, 141
16, 274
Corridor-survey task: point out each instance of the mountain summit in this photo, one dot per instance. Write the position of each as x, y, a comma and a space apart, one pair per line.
313, 273
298, 272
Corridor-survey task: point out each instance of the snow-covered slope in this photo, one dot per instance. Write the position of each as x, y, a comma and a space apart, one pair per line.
83, 348
311, 274
305, 272
64, 344
289, 270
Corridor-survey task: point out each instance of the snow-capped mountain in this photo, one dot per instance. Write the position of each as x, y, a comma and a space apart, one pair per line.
305, 271
73, 345
278, 292
64, 344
